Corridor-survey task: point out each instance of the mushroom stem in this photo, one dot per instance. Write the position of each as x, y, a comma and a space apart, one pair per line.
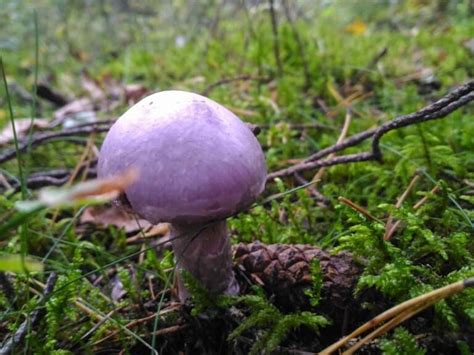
205, 252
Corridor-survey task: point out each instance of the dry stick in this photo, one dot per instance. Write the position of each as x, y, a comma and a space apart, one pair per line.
37, 139
411, 304
401, 199
451, 102
358, 208
420, 203
56, 177
345, 128
441, 108
20, 334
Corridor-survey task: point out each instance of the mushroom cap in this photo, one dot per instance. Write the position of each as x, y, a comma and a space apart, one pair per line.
196, 160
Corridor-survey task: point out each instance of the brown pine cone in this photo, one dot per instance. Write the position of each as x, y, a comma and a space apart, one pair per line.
284, 271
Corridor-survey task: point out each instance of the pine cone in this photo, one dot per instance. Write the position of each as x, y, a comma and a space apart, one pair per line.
284, 270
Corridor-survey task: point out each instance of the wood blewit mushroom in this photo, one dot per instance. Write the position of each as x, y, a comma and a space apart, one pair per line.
198, 164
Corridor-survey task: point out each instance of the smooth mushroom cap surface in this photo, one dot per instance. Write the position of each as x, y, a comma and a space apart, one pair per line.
196, 160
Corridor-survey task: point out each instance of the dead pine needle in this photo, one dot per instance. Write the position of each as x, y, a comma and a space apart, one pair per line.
401, 199
359, 209
397, 315
421, 202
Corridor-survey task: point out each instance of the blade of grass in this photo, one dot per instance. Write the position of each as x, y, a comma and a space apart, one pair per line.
23, 226
15, 137
122, 327
160, 305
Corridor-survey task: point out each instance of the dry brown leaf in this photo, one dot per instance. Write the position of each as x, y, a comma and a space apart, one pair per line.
113, 216
99, 187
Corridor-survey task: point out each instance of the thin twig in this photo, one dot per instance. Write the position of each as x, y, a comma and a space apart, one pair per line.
39, 138
56, 177
441, 108
444, 106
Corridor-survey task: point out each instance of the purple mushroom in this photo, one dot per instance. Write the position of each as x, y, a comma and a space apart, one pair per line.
198, 164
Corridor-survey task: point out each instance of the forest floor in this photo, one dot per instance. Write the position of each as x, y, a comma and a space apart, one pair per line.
364, 112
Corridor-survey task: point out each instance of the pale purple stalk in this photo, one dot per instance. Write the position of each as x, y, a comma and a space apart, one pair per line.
205, 252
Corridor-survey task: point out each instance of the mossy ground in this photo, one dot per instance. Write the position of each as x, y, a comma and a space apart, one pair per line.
328, 52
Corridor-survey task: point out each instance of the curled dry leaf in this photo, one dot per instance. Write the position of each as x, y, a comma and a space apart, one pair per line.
114, 216
93, 191
102, 187
22, 127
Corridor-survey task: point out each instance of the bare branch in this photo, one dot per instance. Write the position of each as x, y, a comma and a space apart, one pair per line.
439, 109
40, 138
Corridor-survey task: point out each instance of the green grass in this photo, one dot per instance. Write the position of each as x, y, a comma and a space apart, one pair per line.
58, 40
